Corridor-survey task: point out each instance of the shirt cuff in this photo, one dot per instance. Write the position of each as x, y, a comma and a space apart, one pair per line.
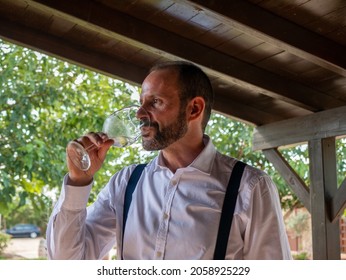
75, 198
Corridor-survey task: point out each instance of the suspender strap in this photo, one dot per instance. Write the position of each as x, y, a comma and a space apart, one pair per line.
131, 185
228, 210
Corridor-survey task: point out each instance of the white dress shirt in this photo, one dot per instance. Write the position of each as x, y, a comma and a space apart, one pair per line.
172, 215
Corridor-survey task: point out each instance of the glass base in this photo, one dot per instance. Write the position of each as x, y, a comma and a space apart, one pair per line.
78, 155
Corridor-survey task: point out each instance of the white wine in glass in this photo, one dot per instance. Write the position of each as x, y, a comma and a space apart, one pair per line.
123, 127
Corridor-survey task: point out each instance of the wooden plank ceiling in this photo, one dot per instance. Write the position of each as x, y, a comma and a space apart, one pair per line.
269, 60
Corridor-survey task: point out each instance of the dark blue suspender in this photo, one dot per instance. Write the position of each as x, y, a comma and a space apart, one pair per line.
228, 211
131, 185
227, 208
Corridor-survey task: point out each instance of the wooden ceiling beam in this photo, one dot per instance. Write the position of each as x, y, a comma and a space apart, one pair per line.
258, 22
241, 112
99, 18
329, 123
44, 43
24, 36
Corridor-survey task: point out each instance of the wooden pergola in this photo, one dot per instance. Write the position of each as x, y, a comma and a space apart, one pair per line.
279, 65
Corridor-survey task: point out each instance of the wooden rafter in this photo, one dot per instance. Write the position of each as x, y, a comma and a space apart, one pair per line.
60, 48
291, 177
172, 46
279, 32
242, 111
330, 123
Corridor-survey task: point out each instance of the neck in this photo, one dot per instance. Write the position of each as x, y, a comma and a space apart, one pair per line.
183, 152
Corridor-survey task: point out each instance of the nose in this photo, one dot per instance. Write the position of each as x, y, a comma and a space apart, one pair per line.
143, 115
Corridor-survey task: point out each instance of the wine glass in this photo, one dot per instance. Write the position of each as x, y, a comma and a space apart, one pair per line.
123, 127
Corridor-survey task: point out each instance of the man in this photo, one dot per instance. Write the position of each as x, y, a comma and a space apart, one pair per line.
176, 206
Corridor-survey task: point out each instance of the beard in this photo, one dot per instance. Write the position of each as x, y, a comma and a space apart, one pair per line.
165, 136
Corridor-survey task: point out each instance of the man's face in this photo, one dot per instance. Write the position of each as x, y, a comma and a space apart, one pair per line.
160, 98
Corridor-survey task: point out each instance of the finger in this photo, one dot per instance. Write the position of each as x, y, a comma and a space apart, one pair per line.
95, 138
92, 138
103, 136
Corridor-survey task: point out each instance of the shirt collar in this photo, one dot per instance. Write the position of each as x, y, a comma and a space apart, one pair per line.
203, 162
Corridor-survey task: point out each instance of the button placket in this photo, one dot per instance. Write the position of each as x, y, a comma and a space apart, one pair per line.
164, 223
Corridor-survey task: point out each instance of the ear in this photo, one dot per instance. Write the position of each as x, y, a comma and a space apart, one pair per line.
196, 108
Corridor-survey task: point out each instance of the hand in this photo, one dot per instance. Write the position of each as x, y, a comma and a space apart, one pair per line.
97, 145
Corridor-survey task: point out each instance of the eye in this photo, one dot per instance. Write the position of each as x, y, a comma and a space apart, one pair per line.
156, 101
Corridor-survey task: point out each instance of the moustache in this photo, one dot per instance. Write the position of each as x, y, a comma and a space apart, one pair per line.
145, 123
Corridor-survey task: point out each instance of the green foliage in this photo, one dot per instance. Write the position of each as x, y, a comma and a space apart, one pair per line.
301, 256
45, 103
4, 241
341, 160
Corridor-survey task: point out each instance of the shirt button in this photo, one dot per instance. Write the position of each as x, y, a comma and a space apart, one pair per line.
158, 254
165, 216
174, 182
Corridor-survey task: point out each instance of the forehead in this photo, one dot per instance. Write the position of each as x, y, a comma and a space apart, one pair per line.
162, 81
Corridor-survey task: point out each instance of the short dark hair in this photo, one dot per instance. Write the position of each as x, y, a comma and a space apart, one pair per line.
193, 82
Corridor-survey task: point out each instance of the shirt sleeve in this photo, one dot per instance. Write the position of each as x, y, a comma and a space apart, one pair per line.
69, 231
265, 235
